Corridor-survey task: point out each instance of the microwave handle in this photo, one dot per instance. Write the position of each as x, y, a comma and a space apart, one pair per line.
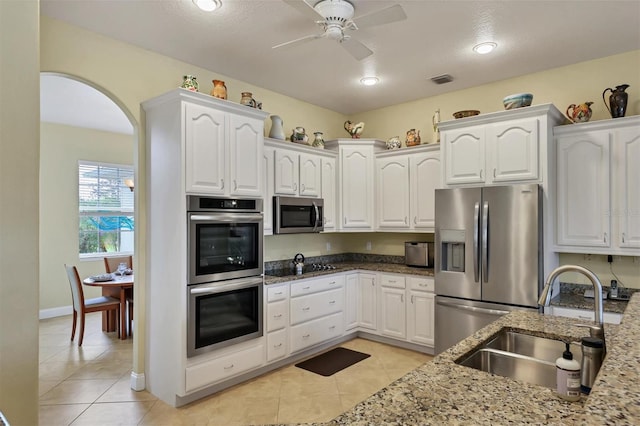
318, 218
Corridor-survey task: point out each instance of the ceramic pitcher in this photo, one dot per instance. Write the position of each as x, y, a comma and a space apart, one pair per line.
277, 128
579, 113
617, 105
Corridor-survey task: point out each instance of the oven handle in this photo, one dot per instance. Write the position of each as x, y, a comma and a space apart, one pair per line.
221, 288
226, 217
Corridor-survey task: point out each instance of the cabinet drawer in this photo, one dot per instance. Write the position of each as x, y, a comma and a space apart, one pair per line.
215, 370
305, 308
276, 345
277, 315
316, 285
392, 281
316, 331
279, 292
421, 284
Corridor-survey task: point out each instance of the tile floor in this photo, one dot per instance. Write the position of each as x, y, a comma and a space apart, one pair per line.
90, 385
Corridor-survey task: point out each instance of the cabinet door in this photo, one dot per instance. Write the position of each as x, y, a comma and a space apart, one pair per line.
425, 178
464, 151
367, 302
351, 302
583, 199
268, 164
393, 192
204, 135
246, 142
512, 151
310, 172
627, 186
357, 187
420, 317
329, 193
286, 177
392, 312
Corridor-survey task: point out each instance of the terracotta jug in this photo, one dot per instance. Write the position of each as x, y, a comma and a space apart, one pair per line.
219, 89
617, 100
579, 113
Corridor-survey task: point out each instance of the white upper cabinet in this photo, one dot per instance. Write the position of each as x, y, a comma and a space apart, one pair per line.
393, 192
425, 177
221, 142
498, 148
297, 174
356, 171
268, 164
598, 176
329, 175
310, 176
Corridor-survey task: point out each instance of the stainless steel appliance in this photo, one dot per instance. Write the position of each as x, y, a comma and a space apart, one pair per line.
418, 253
295, 215
225, 238
488, 258
223, 313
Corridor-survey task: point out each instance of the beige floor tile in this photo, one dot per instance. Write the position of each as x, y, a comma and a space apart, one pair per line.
102, 370
59, 415
350, 400
115, 413
49, 371
76, 392
74, 353
45, 386
296, 381
162, 414
121, 392
268, 385
309, 408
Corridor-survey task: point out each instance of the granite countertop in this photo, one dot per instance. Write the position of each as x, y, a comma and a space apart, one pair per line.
353, 266
442, 392
572, 296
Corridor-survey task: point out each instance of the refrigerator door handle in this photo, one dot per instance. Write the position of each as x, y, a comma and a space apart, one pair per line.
485, 241
476, 249
473, 308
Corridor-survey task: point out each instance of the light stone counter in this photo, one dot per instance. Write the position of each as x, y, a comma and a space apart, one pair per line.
442, 392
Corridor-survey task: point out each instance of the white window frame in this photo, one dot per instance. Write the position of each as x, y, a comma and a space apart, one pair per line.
121, 204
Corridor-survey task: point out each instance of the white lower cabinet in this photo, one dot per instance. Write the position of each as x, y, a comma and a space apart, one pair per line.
393, 321
276, 345
583, 314
224, 367
351, 298
367, 306
316, 331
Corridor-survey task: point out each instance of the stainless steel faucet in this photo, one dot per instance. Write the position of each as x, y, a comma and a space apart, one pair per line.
596, 330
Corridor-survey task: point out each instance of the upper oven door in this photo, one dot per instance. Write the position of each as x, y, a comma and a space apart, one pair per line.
224, 246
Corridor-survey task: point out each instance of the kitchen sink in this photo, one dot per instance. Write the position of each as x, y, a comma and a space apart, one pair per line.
520, 356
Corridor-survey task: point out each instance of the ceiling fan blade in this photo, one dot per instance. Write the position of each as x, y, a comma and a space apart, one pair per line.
304, 8
384, 16
355, 48
299, 40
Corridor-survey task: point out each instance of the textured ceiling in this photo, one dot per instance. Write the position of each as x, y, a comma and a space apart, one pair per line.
435, 39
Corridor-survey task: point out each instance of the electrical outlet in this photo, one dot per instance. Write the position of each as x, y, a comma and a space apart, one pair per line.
617, 258
587, 257
328, 246
369, 245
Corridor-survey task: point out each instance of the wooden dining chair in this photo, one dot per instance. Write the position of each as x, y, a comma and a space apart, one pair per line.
82, 306
111, 266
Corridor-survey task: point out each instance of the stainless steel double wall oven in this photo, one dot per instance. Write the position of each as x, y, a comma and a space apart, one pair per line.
225, 272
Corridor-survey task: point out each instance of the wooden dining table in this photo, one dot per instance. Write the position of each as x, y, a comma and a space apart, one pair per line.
117, 287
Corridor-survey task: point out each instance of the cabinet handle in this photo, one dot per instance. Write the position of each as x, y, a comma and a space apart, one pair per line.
405, 220
415, 220
278, 293
295, 186
235, 185
332, 282
306, 308
623, 237
306, 288
332, 327
306, 336
494, 173
222, 181
480, 173
605, 237
422, 284
402, 298
278, 316
278, 345
229, 367
302, 187
412, 299
392, 281
332, 302
345, 220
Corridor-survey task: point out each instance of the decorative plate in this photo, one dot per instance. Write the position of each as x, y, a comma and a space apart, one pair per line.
101, 277
466, 113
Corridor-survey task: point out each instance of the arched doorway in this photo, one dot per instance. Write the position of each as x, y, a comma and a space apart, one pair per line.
79, 121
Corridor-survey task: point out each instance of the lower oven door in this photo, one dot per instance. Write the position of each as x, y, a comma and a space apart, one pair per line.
223, 313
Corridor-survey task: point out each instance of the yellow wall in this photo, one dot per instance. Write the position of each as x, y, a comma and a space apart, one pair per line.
19, 140
61, 147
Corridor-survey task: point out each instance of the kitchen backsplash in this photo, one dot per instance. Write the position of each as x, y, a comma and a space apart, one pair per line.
625, 269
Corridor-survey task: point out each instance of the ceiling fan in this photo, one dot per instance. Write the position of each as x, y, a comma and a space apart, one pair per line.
337, 17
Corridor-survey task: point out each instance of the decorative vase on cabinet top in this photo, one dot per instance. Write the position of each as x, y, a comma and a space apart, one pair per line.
579, 113
413, 137
219, 89
617, 100
318, 141
394, 143
277, 128
247, 99
189, 82
299, 135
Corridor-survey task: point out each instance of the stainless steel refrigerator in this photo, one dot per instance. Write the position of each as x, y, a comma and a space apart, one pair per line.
488, 257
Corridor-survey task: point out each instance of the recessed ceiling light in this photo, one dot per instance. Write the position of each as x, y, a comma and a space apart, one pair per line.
484, 48
208, 5
369, 81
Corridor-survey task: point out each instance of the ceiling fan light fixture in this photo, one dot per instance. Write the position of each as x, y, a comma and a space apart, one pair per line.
369, 81
484, 48
208, 5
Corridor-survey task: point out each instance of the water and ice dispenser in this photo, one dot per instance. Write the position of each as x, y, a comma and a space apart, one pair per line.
452, 248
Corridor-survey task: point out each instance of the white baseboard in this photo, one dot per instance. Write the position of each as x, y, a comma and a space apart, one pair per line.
137, 381
56, 312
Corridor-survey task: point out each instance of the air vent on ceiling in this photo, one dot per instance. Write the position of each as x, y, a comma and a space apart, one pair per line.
442, 79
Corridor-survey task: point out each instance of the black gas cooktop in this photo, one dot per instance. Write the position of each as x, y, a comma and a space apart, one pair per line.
291, 271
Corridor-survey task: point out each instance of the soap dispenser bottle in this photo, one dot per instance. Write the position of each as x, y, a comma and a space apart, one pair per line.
568, 376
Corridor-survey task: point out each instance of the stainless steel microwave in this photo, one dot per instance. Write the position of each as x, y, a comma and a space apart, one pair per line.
295, 215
